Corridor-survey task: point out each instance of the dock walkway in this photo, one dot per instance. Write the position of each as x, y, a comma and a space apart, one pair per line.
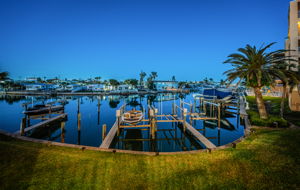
110, 136
42, 123
242, 107
199, 136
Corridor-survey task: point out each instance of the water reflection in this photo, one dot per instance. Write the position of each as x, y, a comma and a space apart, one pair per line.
87, 114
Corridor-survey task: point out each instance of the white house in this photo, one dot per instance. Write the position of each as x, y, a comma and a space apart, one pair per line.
36, 87
74, 88
95, 87
126, 88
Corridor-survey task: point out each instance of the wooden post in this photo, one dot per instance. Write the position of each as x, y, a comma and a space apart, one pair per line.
22, 126
219, 115
79, 121
173, 109
151, 119
118, 116
50, 111
98, 111
184, 118
181, 109
62, 127
210, 110
103, 131
78, 106
28, 120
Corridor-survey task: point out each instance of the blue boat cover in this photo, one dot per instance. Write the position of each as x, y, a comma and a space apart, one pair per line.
218, 93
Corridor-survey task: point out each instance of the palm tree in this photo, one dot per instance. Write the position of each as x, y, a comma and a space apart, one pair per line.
153, 75
142, 76
288, 77
98, 78
256, 67
114, 82
222, 82
4, 75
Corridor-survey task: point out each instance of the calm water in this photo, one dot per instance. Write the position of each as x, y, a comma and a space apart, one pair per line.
169, 136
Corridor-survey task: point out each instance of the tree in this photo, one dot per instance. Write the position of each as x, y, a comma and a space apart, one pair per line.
142, 76
4, 76
288, 77
181, 84
153, 75
132, 82
255, 66
114, 82
98, 79
150, 83
222, 82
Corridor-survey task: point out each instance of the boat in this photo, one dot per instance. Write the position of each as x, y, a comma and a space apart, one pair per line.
41, 109
132, 116
219, 93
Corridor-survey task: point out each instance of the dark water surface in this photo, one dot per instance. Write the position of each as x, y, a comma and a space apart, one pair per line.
170, 136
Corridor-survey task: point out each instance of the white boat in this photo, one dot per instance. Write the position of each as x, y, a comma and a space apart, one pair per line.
132, 116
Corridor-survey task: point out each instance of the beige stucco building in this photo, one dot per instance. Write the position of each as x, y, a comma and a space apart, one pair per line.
293, 43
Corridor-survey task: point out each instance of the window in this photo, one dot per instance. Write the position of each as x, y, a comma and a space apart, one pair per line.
298, 9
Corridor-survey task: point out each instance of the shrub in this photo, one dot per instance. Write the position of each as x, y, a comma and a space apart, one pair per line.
270, 122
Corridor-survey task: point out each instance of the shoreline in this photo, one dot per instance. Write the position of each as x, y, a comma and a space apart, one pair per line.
54, 93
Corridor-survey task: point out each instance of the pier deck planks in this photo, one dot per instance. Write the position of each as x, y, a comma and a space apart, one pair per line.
42, 123
110, 136
199, 136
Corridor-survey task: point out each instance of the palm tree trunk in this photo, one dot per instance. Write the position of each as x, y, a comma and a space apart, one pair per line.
260, 104
282, 101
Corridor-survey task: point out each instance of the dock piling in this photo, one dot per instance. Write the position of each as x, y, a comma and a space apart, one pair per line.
103, 131
62, 127
22, 126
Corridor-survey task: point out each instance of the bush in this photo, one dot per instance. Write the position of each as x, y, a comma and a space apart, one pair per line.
270, 122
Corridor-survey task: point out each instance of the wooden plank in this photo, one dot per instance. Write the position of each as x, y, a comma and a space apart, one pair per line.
205, 118
42, 123
199, 136
242, 107
133, 126
167, 121
110, 136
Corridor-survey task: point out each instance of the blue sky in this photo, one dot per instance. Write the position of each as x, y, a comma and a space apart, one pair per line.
119, 38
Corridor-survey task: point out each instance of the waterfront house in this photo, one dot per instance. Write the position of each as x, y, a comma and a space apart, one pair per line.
31, 79
36, 87
108, 87
75, 88
166, 85
95, 87
124, 88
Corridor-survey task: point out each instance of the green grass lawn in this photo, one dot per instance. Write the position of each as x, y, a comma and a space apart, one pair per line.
273, 108
268, 159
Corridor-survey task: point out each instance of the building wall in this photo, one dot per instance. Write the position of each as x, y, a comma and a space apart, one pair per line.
292, 43
294, 100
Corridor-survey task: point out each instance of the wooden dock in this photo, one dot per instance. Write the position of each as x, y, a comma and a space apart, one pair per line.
110, 136
199, 136
242, 107
41, 123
